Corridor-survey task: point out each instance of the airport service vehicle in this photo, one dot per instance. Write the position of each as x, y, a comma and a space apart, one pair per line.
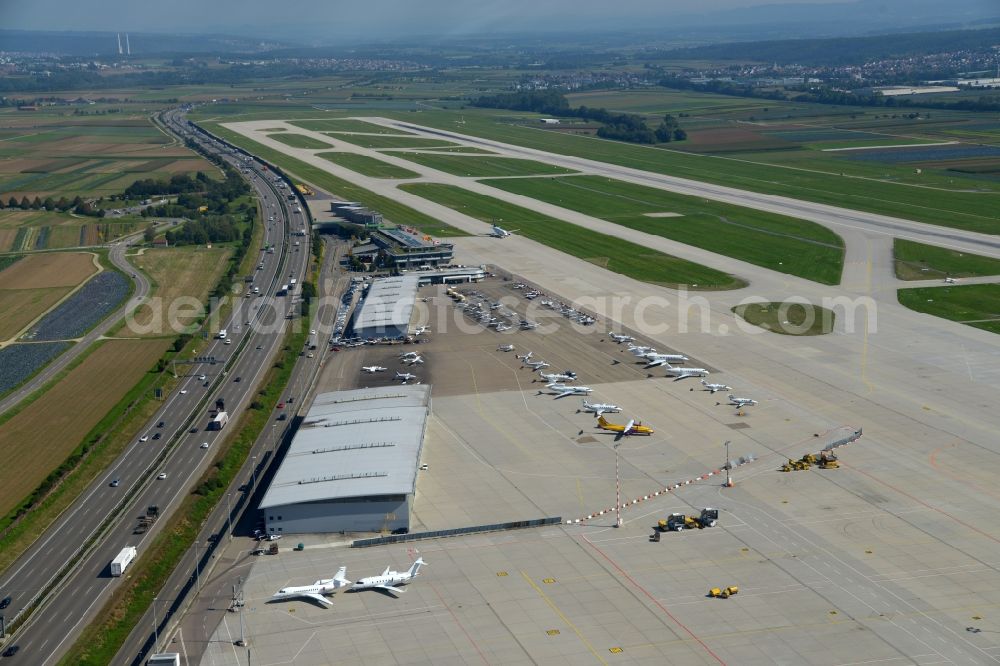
122, 560
676, 522
390, 580
317, 591
723, 593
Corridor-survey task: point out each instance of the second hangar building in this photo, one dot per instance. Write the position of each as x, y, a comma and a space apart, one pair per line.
352, 465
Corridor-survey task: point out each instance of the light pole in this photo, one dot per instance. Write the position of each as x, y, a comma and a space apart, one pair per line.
729, 476
618, 487
197, 567
156, 627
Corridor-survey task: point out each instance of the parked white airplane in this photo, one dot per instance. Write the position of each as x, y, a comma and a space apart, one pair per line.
405, 376
505, 348
525, 358
315, 592
741, 402
556, 377
663, 359
536, 365
683, 373
562, 390
407, 355
413, 360
621, 338
501, 233
389, 580
420, 330
715, 387
373, 368
599, 408
640, 351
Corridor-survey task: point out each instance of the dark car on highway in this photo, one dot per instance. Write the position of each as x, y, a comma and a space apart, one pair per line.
11, 651
6, 602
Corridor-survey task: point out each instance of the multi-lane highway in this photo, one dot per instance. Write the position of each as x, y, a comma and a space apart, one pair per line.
80, 545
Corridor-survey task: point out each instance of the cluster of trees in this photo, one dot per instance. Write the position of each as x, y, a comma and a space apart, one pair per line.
212, 229
619, 126
75, 205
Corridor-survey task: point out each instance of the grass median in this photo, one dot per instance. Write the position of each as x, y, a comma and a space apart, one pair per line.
610, 252
788, 318
976, 305
916, 261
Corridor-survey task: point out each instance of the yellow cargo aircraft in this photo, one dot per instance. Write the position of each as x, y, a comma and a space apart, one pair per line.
631, 428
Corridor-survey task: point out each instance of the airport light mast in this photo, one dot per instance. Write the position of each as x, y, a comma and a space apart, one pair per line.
618, 487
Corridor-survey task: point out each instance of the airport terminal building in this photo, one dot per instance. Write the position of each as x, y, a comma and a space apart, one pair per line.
352, 464
387, 307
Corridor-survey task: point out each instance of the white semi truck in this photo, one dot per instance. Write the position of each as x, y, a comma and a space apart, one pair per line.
122, 560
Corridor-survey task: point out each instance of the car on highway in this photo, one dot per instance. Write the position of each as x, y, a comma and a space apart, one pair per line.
161, 476
156, 435
161, 424
312, 332
183, 391
282, 416
310, 355
204, 445
115, 483
11, 651
260, 346
237, 380
281, 405
144, 438
6, 602
201, 377
228, 342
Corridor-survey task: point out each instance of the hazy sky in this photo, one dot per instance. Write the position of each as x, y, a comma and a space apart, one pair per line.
381, 17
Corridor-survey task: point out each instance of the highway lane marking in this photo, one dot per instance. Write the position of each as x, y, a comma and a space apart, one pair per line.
565, 619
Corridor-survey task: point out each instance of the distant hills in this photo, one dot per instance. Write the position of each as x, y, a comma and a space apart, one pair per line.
106, 43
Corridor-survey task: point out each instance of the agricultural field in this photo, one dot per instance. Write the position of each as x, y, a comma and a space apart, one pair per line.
27, 230
607, 251
975, 305
392, 210
780, 243
39, 437
54, 269
83, 310
20, 361
368, 166
54, 153
20, 307
390, 141
484, 167
916, 261
177, 272
346, 125
300, 141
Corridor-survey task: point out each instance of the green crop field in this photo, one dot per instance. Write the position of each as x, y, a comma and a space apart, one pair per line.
916, 261
346, 125
368, 166
390, 141
975, 305
484, 167
615, 254
783, 244
299, 141
951, 206
392, 210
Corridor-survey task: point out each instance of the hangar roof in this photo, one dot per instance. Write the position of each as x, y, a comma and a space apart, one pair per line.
354, 444
388, 304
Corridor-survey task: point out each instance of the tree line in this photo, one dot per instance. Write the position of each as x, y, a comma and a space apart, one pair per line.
618, 126
76, 205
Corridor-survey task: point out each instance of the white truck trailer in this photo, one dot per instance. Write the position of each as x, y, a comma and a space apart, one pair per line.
122, 560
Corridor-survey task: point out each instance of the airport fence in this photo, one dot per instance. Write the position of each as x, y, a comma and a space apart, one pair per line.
458, 531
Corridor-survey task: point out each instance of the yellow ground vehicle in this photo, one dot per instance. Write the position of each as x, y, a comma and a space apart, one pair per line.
709, 517
723, 593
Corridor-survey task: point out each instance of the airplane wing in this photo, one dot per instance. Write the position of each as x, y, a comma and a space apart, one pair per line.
564, 394
653, 364
390, 588
317, 597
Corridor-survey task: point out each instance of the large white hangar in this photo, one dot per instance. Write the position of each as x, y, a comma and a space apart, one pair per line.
386, 309
352, 464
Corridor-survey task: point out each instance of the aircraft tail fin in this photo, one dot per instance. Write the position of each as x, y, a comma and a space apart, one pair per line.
601, 420
415, 568
341, 578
